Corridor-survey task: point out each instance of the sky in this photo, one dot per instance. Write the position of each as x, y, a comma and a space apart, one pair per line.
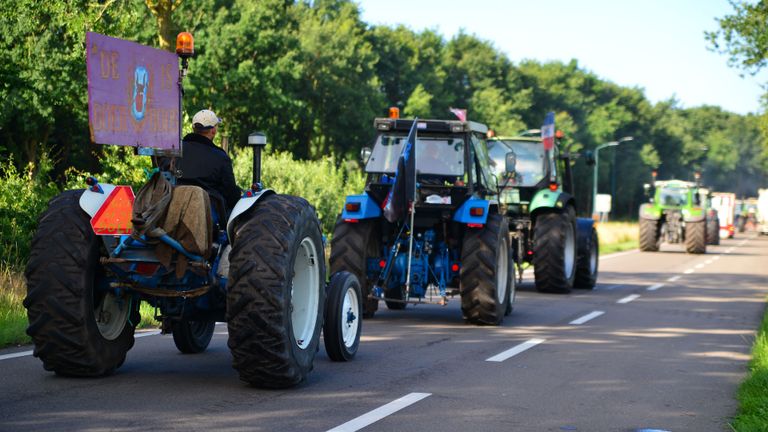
655, 45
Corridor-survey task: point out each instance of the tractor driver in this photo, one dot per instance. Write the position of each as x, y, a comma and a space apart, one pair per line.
205, 164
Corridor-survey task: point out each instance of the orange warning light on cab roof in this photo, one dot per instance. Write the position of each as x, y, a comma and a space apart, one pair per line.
114, 216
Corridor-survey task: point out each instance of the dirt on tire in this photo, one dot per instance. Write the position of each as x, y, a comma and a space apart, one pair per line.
267, 241
62, 301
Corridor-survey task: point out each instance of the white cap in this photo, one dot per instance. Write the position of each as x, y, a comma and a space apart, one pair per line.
205, 118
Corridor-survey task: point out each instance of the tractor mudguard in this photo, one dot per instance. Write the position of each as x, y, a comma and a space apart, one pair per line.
650, 212
583, 235
546, 198
464, 214
94, 196
694, 214
246, 201
358, 207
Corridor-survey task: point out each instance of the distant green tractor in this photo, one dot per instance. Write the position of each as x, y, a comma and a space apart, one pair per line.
674, 215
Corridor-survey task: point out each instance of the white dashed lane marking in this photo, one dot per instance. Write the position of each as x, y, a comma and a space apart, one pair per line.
674, 278
379, 413
517, 349
628, 298
655, 287
587, 317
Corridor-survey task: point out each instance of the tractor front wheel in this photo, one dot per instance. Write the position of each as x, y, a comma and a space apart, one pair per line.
587, 264
193, 337
343, 319
77, 330
276, 292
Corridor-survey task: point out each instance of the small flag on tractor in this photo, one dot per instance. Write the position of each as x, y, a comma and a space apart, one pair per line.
403, 192
548, 131
461, 114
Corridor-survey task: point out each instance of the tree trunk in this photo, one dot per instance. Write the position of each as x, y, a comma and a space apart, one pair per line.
162, 10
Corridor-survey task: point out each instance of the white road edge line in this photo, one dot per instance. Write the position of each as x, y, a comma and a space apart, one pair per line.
655, 287
674, 278
618, 254
587, 317
689, 271
379, 413
15, 355
701, 265
145, 334
517, 349
28, 353
629, 298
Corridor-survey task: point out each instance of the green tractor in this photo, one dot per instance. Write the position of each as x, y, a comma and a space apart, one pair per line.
674, 214
536, 187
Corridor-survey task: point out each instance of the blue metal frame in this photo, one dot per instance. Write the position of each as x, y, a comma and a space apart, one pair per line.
368, 208
462, 215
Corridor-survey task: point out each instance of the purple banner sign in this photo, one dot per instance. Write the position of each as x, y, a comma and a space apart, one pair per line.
133, 94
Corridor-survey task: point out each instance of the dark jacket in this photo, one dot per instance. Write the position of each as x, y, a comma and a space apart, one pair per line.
207, 165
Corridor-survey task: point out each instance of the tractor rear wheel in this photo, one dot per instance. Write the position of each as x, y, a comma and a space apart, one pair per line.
695, 237
276, 292
554, 251
650, 238
587, 264
77, 329
352, 245
192, 337
713, 231
486, 277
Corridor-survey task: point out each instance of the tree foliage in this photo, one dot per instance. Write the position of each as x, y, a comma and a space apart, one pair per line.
312, 75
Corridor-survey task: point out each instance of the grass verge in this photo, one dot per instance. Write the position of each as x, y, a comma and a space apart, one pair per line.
13, 316
752, 415
617, 236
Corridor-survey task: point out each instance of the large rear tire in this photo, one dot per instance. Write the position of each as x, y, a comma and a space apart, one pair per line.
587, 264
696, 237
650, 238
276, 292
486, 277
193, 337
77, 330
343, 320
554, 251
351, 246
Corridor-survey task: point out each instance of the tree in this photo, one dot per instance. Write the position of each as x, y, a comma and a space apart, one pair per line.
743, 36
162, 10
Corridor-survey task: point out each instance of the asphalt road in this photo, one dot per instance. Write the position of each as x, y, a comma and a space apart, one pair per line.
661, 343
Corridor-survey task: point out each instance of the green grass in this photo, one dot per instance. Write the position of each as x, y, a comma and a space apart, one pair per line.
13, 316
752, 415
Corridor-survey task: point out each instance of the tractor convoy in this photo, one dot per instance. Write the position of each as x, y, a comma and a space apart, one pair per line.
447, 210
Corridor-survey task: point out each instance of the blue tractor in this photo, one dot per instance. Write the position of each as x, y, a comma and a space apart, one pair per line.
98, 253
453, 241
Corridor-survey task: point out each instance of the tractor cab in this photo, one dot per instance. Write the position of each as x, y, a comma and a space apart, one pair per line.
452, 163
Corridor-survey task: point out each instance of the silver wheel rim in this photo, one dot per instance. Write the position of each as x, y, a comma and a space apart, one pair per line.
593, 259
305, 296
570, 251
350, 317
502, 272
111, 314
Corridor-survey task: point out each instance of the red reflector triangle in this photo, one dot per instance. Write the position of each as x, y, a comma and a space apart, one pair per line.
114, 216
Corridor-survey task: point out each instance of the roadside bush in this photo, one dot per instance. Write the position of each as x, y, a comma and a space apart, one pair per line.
323, 183
23, 196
